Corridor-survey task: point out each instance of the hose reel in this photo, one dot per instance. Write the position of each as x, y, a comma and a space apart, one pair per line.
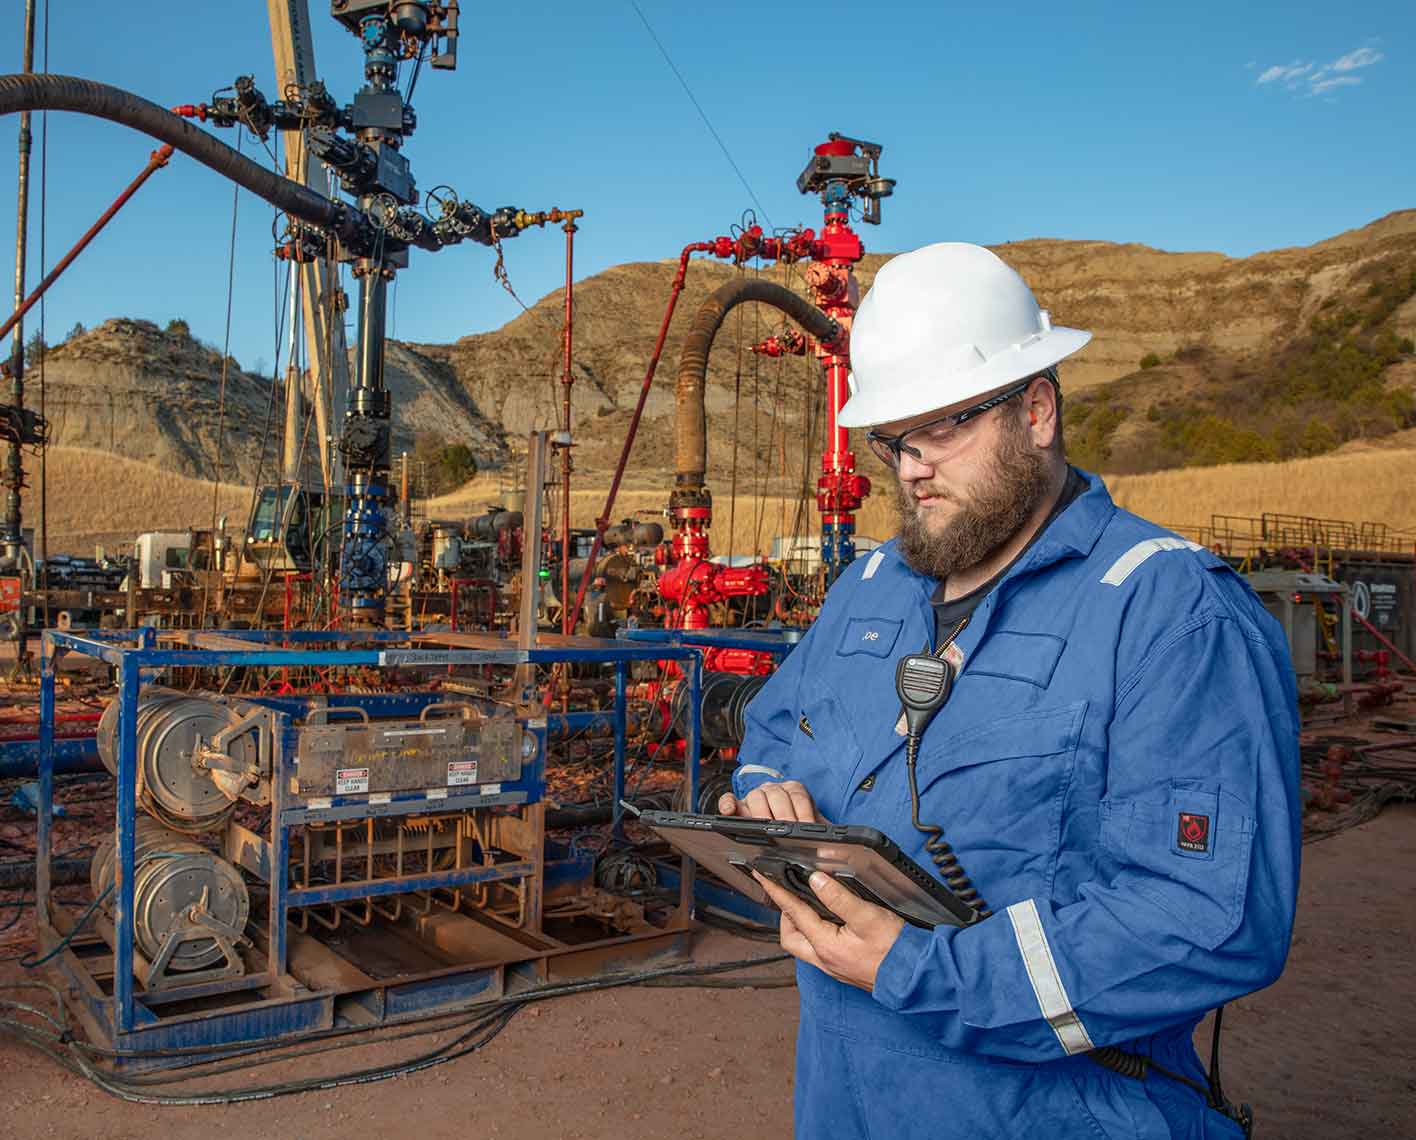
190, 907
195, 757
723, 719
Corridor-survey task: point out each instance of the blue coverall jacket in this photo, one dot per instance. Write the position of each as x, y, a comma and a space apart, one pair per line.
1117, 769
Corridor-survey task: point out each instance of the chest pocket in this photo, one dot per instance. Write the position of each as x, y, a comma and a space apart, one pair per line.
824, 750
875, 637
998, 790
1029, 657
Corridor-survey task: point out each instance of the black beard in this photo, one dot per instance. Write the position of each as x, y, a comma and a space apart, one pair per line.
1000, 505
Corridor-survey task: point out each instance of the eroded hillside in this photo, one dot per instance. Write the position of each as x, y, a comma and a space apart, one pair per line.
1213, 326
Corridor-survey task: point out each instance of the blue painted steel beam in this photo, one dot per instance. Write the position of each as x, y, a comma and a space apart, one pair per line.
709, 892
692, 745
768, 641
415, 804
381, 704
434, 993
351, 892
43, 848
127, 795
71, 754
260, 1024
208, 658
204, 989
564, 724
621, 733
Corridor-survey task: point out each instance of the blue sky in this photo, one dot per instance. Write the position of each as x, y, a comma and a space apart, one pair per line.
1218, 126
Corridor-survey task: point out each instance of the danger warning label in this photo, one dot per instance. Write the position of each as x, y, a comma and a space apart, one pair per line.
460, 773
351, 781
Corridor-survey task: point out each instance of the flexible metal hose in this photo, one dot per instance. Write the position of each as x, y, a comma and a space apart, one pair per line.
67, 93
691, 427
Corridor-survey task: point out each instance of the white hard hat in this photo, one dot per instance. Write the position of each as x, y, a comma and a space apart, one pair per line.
940, 325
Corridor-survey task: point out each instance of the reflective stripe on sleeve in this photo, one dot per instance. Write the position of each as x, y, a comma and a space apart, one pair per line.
759, 770
1124, 566
1046, 982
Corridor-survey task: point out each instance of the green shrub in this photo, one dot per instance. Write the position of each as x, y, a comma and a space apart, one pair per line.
1088, 427
1307, 395
1317, 438
447, 466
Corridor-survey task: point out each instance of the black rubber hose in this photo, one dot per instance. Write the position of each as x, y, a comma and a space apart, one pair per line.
67, 93
691, 427
20, 872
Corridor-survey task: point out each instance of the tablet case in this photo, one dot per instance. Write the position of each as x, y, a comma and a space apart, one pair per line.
861, 858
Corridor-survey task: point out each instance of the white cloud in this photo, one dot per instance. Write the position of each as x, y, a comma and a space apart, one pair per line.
1294, 70
1362, 57
1312, 79
1336, 81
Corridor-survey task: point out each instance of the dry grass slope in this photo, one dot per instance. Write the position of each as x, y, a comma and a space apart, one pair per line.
97, 497
1361, 486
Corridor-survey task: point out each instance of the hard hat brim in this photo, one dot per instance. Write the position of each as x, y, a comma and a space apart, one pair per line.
906, 399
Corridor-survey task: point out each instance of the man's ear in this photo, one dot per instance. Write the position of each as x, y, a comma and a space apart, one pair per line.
1042, 413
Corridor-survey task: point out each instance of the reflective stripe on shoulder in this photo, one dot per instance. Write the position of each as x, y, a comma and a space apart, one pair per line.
1124, 566
872, 565
1046, 982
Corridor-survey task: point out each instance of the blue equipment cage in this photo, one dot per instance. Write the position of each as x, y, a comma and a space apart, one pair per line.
267, 1004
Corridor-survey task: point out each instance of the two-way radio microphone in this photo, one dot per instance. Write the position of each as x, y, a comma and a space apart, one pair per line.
923, 683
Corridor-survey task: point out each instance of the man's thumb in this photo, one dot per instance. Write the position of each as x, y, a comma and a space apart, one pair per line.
727, 804
830, 892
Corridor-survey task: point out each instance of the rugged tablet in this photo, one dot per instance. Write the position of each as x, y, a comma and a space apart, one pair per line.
861, 858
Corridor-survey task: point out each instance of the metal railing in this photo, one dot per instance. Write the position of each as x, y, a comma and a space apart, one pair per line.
1243, 536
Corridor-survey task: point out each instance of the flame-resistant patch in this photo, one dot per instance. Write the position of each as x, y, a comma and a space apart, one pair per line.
1193, 831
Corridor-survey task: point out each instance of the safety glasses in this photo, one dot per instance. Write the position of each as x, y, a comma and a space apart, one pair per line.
934, 441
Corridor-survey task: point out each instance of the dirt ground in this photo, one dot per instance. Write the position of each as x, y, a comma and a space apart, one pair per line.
1328, 1052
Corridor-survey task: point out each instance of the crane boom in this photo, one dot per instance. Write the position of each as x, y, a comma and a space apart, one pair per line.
327, 354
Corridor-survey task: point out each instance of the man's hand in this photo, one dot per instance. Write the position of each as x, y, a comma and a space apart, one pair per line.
788, 801
851, 953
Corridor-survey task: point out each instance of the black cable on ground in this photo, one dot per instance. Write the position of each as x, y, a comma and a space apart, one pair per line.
1366, 805
481, 1027
722, 984
62, 1051
30, 962
18, 905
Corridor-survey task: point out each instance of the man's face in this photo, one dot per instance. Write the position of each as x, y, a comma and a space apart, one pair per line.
954, 514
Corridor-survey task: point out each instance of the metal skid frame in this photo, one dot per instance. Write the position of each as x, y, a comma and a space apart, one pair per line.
778, 642
132, 1021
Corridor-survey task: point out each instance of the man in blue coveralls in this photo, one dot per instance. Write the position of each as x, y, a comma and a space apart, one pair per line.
1116, 770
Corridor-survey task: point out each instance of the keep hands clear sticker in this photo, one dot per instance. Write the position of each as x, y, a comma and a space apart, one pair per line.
351, 781
461, 773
